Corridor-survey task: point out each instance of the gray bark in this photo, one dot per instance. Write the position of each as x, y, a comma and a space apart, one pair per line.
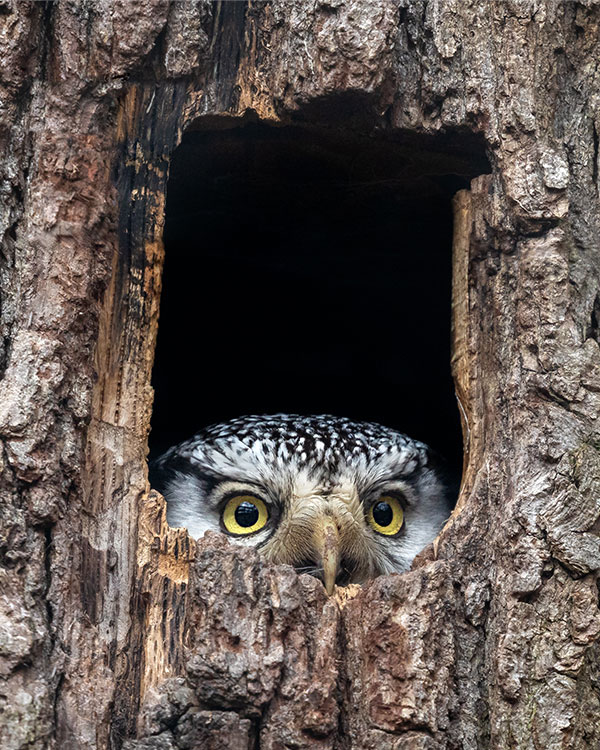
115, 629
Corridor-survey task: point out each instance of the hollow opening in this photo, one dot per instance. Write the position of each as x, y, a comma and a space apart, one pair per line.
308, 271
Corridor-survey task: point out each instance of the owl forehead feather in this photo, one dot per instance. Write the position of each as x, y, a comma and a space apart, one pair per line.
319, 443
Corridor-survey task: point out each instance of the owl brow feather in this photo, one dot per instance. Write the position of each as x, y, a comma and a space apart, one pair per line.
228, 488
403, 491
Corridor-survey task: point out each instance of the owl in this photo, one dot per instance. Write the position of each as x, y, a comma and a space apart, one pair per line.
341, 500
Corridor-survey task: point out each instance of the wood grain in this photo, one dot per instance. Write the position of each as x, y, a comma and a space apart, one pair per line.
119, 632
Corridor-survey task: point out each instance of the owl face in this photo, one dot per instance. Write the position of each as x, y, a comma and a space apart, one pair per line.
342, 500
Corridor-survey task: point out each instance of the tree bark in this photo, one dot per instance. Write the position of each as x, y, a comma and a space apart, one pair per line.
116, 631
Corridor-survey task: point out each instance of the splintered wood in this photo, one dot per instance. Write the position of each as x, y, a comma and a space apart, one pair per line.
120, 632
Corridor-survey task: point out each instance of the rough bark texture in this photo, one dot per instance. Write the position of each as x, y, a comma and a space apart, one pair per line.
116, 631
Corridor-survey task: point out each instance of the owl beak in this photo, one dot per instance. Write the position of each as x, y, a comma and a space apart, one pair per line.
327, 548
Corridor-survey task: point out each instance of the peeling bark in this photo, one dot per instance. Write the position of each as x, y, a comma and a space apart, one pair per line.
116, 631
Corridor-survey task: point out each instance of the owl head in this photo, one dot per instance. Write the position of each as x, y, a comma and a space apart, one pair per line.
342, 500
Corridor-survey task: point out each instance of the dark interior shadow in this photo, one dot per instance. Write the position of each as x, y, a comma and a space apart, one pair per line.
309, 271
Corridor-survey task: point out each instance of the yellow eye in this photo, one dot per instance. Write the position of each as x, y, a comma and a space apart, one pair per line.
386, 515
244, 514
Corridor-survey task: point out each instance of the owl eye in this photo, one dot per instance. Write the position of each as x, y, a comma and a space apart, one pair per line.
244, 514
386, 515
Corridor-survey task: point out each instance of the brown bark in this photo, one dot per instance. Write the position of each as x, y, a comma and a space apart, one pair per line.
115, 629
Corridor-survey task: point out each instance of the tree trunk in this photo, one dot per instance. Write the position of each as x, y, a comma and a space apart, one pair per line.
116, 631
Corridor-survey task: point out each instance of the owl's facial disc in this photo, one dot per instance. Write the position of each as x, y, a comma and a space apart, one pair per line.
341, 537
328, 535
341, 500
329, 532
